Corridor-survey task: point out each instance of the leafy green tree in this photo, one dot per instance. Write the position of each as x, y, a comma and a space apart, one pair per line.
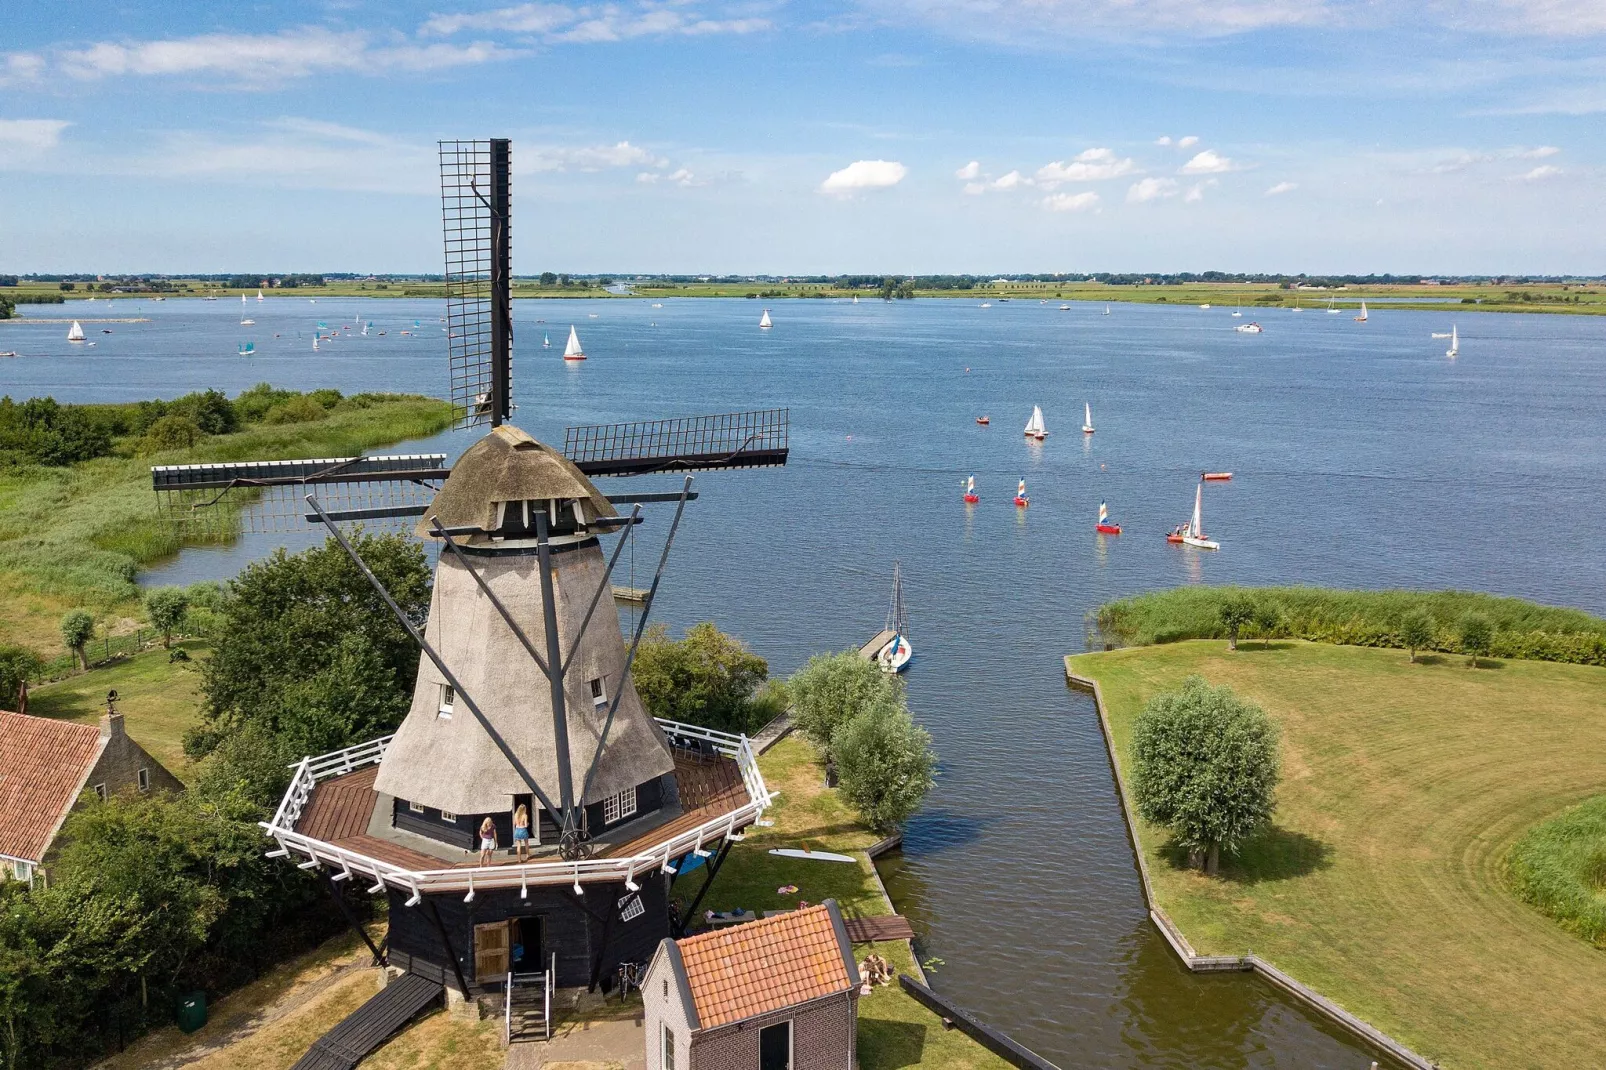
167, 606
1234, 613
77, 628
211, 410
171, 432
832, 689
306, 648
1416, 631
1268, 618
1205, 766
708, 678
8, 308
17, 666
1477, 635
548, 278
884, 762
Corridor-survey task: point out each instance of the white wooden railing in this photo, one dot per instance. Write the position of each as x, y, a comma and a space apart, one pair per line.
581, 871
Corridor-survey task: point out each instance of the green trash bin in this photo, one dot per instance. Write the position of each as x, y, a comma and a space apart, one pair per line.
192, 1011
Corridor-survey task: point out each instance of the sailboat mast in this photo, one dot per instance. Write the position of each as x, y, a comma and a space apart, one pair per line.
1198, 510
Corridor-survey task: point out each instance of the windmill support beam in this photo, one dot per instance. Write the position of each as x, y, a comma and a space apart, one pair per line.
446, 943
713, 871
351, 918
635, 641
429, 651
560, 713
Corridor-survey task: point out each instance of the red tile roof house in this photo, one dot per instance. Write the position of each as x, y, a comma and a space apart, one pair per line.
776, 994
45, 765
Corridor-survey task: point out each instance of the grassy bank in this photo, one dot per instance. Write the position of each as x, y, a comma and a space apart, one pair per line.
1360, 618
1383, 882
1560, 867
894, 1030
76, 536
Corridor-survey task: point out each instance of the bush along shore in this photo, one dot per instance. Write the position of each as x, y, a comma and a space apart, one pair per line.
1559, 866
1481, 625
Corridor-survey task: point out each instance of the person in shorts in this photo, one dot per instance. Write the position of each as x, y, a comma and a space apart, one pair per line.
487, 841
521, 832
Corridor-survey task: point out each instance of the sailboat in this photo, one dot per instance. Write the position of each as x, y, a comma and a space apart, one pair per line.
1106, 526
764, 320
75, 333
1362, 317
1034, 426
259, 295
1238, 312
971, 497
365, 327
1087, 418
1455, 344
546, 341
896, 654
572, 351
1106, 310
248, 349
855, 298
315, 343
1194, 534
1020, 495
1065, 308
1331, 309
244, 321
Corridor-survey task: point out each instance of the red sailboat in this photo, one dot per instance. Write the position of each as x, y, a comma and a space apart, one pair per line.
971, 497
1106, 526
1020, 495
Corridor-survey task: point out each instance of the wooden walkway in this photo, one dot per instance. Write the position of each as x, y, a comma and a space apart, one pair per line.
873, 647
370, 1025
880, 927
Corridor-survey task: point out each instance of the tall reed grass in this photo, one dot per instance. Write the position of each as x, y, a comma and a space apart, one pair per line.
1560, 867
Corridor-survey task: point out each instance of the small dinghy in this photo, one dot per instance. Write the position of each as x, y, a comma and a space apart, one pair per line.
1020, 495
971, 497
984, 420
1215, 477
1106, 526
1194, 534
811, 856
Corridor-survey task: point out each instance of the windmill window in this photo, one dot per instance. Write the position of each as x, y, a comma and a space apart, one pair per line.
144, 780
416, 807
618, 807
599, 692
447, 815
448, 700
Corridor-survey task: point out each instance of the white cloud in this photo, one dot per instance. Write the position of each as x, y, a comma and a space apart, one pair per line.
1187, 142
19, 67
1281, 188
1090, 165
648, 177
31, 135
975, 189
969, 172
1151, 189
610, 22
1164, 139
682, 177
1539, 173
585, 157
1043, 22
1071, 202
864, 175
1540, 153
1010, 181
1208, 162
1464, 160
1195, 194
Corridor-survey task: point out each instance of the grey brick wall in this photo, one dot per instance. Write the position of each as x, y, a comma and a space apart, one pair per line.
122, 760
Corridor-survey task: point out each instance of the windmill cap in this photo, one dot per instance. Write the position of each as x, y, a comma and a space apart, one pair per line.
507, 465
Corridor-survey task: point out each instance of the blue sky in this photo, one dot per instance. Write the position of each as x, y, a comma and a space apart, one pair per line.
1451, 136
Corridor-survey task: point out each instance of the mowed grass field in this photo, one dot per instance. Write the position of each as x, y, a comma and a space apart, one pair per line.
1383, 884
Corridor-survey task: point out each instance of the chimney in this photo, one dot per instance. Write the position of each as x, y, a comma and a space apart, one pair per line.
111, 725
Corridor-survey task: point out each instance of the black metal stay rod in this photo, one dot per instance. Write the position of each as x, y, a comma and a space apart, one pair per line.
429, 651
603, 586
451, 544
554, 653
635, 641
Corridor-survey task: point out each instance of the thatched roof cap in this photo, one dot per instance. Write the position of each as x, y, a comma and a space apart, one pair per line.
507, 465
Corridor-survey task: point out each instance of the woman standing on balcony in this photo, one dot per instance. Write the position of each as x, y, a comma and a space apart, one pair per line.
487, 840
521, 832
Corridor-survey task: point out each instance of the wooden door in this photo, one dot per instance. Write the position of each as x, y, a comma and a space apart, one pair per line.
491, 952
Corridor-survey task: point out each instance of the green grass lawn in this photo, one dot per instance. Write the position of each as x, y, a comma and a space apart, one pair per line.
894, 1030
158, 698
1383, 883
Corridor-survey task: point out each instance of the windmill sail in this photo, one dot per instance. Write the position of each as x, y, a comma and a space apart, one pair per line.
476, 197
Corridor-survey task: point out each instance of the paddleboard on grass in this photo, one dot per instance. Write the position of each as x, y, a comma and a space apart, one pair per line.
817, 856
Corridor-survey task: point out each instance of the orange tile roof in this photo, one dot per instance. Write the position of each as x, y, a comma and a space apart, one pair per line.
762, 966
43, 764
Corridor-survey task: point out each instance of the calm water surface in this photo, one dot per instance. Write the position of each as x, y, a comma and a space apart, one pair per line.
1362, 457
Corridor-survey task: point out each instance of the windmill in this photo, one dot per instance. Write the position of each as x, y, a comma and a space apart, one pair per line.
523, 702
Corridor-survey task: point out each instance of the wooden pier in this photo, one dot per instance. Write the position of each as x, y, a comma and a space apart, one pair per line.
629, 596
873, 647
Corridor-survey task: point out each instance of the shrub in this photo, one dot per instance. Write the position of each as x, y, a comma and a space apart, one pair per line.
1416, 631
18, 665
1235, 612
1477, 635
884, 762
77, 628
297, 410
834, 688
708, 678
48, 433
171, 432
1205, 766
210, 410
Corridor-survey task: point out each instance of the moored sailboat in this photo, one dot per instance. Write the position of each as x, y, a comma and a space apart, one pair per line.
896, 654
1035, 427
572, 351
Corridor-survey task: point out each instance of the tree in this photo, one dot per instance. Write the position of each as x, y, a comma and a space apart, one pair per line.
884, 761
1477, 635
834, 688
167, 606
77, 628
171, 432
17, 665
1268, 618
307, 649
708, 678
1235, 612
1205, 766
1416, 631
8, 308
548, 278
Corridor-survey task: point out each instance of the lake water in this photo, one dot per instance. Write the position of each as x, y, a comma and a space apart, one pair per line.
1361, 457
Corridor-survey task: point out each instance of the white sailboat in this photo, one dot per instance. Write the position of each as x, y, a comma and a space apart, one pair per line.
1194, 535
1035, 427
855, 298
895, 655
1106, 310
259, 295
1455, 344
365, 327
75, 333
1238, 312
1362, 317
1087, 417
244, 322
1332, 310
546, 341
572, 351
315, 343
764, 320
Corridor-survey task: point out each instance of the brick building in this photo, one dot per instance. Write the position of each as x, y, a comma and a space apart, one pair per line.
47, 765
776, 994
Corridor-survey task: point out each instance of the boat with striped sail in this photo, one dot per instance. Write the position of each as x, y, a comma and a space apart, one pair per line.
1106, 526
1020, 495
971, 497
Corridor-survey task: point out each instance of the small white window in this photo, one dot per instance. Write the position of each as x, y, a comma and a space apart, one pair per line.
668, 1061
100, 790
144, 780
599, 692
448, 700
447, 815
416, 807
618, 807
